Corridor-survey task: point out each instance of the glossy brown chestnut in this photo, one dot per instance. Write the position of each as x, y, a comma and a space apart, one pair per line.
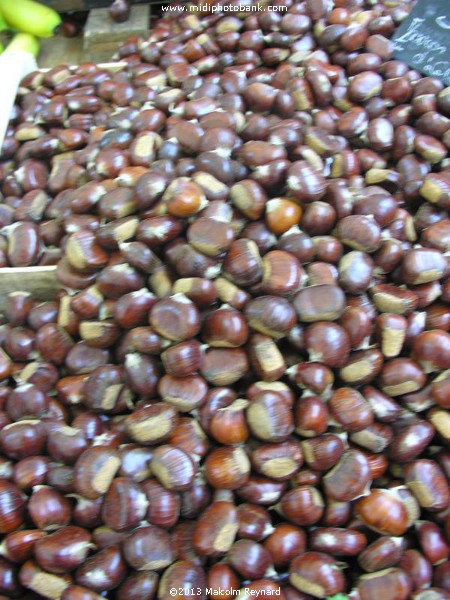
316, 573
383, 512
63, 550
216, 529
148, 548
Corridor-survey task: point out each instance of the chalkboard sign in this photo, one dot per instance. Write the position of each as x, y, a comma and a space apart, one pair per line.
423, 39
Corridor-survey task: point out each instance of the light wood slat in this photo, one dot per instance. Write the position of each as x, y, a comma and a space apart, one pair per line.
108, 66
41, 282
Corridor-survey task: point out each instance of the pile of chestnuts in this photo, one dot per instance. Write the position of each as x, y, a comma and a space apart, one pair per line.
243, 385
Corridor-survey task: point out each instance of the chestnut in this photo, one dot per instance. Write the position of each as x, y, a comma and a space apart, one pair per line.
269, 417
151, 424
12, 507
175, 318
432, 542
250, 559
182, 575
431, 349
350, 410
229, 424
417, 567
173, 467
138, 586
48, 508
163, 508
421, 475
383, 512
222, 579
303, 505
270, 315
125, 504
316, 573
327, 343
348, 478
148, 548
34, 578
17, 546
338, 541
216, 529
95, 470
227, 467
63, 550
278, 461
225, 327
393, 582
383, 553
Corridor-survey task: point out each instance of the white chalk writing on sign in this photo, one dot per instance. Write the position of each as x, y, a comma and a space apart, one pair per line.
423, 40
441, 21
420, 39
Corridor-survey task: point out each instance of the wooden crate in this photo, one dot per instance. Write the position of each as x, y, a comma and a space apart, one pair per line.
100, 40
60, 50
102, 35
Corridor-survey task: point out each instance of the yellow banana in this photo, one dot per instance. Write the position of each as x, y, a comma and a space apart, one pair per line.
30, 16
24, 42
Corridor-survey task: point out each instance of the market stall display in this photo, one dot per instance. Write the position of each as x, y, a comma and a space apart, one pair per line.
243, 382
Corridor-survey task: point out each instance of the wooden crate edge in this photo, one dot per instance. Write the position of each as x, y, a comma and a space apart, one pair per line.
108, 66
40, 282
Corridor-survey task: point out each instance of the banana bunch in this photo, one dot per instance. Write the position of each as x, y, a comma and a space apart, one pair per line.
30, 17
31, 20
24, 42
